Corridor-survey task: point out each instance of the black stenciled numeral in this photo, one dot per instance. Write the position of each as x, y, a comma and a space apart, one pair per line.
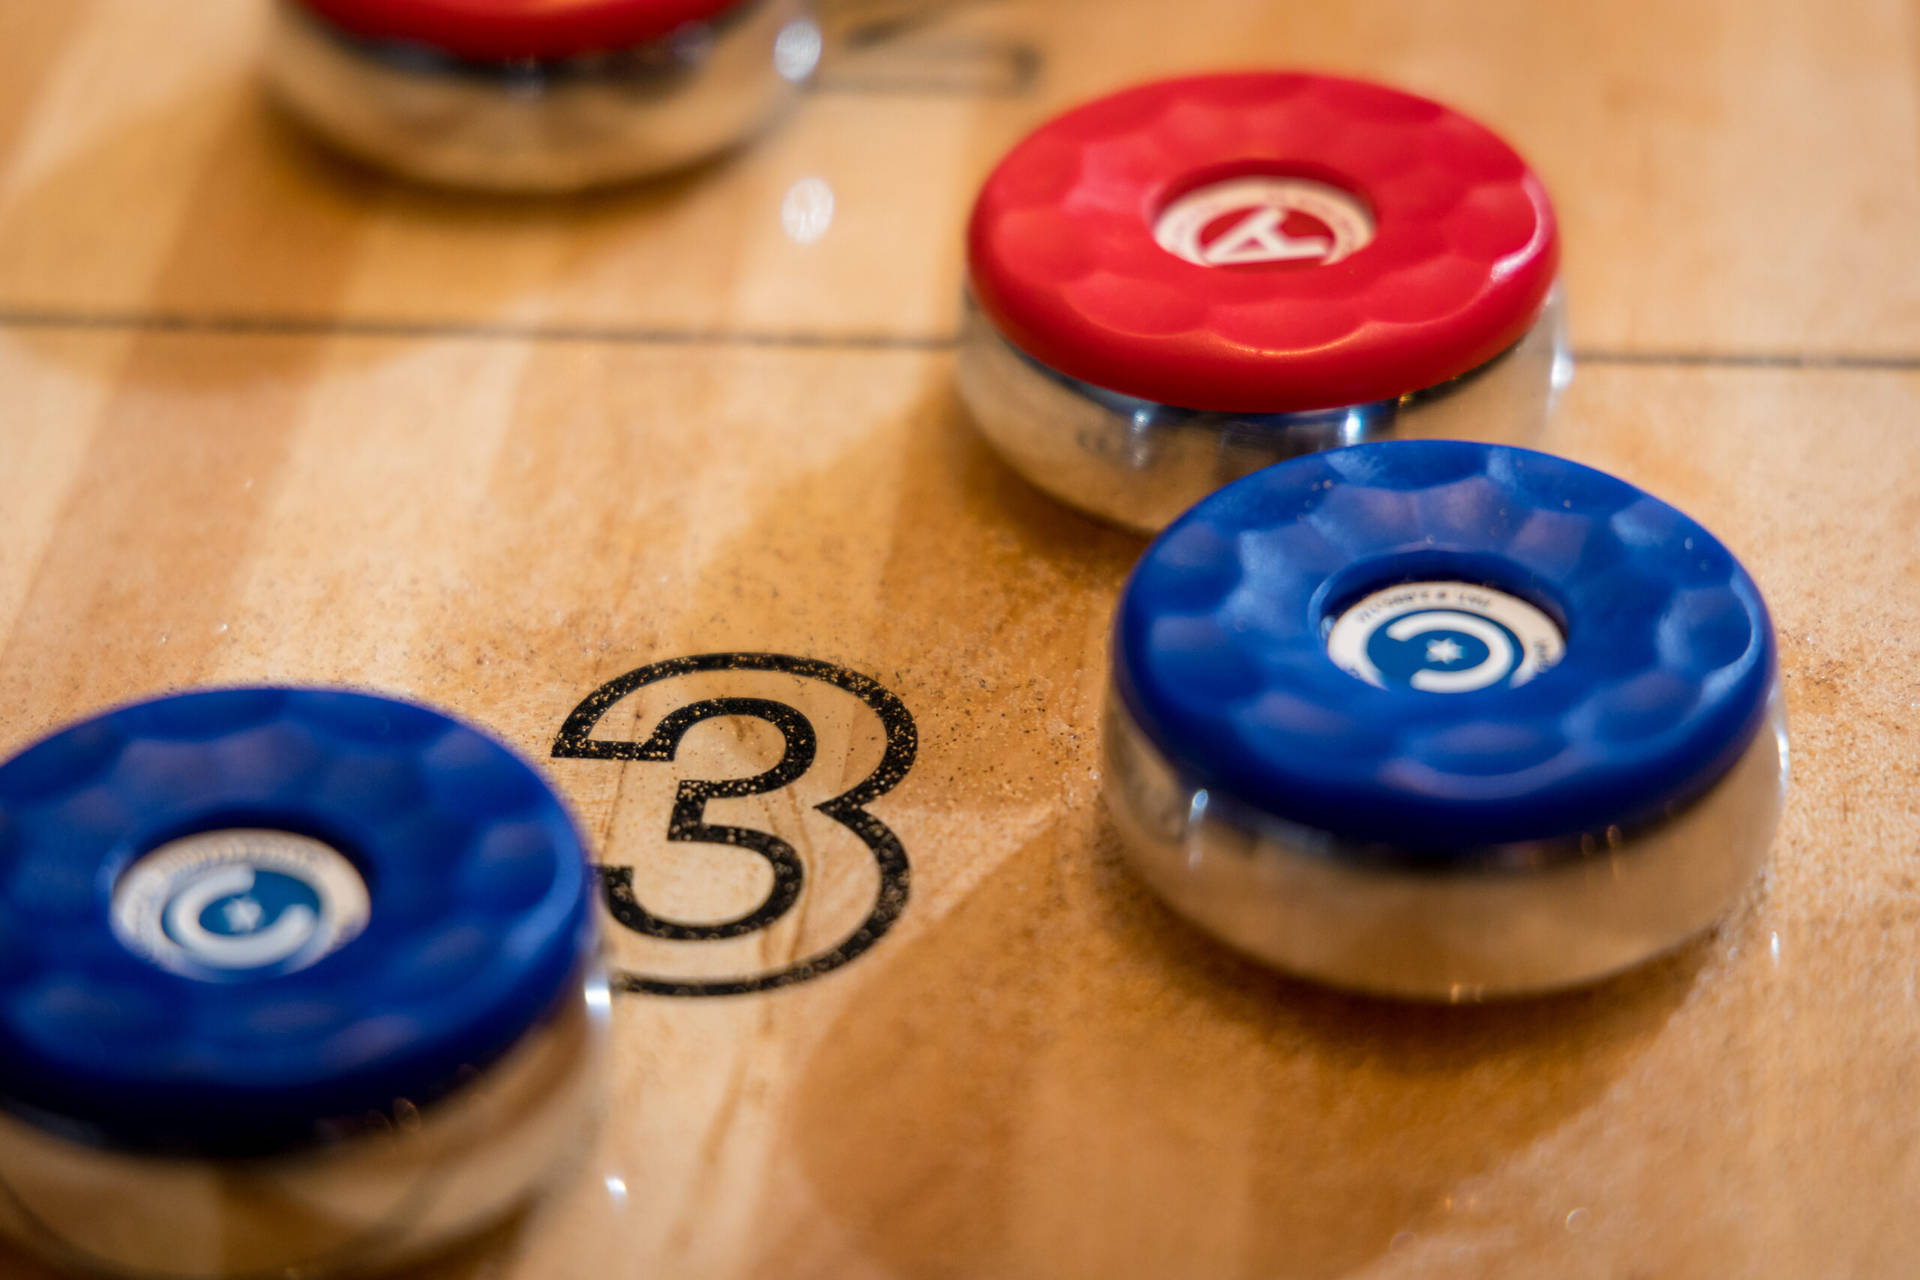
688, 821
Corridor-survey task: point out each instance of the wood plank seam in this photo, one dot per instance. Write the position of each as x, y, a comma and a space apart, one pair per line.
237, 324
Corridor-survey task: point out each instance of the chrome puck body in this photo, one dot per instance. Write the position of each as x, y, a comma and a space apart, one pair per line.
549, 123
398, 1186
1496, 920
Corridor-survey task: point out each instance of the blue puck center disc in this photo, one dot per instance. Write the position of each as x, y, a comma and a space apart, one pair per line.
236, 921
1443, 645
240, 904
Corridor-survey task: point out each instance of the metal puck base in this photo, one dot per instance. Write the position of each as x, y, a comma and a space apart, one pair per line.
413, 1182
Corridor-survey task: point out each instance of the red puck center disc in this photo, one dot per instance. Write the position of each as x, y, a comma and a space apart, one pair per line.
1264, 222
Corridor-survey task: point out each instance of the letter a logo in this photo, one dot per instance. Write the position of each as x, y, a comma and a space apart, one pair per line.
1258, 237
1244, 222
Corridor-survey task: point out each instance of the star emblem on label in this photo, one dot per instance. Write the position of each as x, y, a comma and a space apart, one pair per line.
1444, 637
240, 903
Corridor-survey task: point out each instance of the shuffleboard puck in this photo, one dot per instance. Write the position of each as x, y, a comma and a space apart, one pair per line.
1186, 281
539, 95
1444, 720
291, 981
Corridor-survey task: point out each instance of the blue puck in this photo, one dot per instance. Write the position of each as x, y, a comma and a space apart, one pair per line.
1436, 646
239, 921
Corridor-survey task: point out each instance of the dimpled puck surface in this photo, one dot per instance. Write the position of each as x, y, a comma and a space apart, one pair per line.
509, 29
479, 918
1063, 255
1222, 658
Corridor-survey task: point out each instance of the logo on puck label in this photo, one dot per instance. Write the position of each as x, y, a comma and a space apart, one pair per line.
1255, 221
1444, 637
239, 903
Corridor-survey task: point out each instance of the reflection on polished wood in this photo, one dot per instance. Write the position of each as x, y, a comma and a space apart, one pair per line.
269, 417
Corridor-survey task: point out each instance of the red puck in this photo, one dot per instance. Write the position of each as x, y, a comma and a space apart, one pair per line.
1262, 243
510, 29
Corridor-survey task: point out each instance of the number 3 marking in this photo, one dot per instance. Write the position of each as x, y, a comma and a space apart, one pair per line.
688, 821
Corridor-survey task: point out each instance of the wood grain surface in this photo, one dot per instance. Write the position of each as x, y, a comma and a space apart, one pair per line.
265, 416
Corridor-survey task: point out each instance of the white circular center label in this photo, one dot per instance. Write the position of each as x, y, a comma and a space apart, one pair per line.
239, 903
1444, 637
1258, 220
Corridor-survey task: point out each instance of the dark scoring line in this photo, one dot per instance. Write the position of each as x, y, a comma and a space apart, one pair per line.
279, 326
1839, 361
880, 86
242, 325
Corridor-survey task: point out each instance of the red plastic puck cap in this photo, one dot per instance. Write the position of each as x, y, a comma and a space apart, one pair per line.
1262, 243
510, 29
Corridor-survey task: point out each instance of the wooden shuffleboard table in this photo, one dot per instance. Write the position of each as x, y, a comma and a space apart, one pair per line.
561, 467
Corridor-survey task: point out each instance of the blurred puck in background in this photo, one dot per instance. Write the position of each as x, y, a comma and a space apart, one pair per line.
539, 95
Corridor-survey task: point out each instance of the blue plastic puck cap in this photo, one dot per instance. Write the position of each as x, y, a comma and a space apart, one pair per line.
237, 921
1437, 645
